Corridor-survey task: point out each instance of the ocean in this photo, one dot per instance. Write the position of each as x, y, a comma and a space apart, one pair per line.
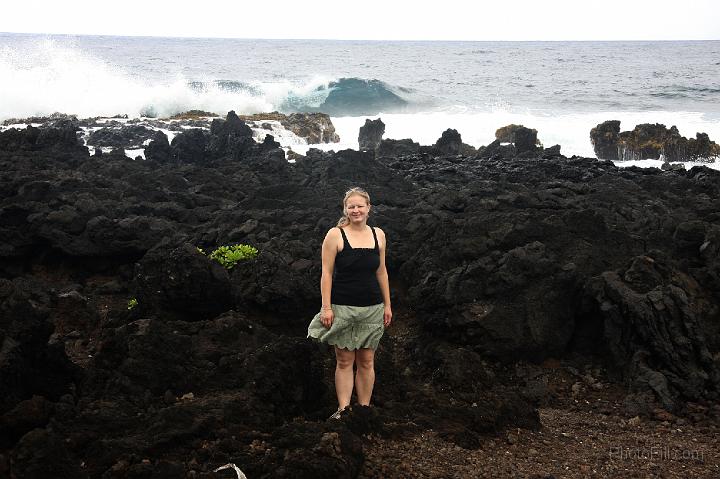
419, 89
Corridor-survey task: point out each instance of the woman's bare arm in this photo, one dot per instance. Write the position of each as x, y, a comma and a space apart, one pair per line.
382, 277
329, 252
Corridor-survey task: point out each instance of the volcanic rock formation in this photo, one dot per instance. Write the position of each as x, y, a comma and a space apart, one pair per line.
371, 134
650, 141
313, 127
128, 352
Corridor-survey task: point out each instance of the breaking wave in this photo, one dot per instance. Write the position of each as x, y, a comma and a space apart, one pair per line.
48, 77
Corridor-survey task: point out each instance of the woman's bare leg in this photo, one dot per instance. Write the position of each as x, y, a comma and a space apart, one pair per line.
344, 376
365, 376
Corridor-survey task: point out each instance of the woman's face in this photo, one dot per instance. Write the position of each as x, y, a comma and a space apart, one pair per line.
357, 209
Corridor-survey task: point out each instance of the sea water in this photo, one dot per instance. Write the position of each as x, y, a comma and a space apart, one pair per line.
419, 89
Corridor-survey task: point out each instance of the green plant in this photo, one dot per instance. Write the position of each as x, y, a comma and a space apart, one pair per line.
228, 256
200, 250
132, 302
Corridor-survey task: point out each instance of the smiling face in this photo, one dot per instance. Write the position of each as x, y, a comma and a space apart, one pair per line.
357, 209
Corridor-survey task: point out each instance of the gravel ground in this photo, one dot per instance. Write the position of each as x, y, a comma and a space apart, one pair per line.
586, 433
575, 442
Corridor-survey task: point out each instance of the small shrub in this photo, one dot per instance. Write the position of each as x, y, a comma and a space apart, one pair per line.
228, 256
132, 302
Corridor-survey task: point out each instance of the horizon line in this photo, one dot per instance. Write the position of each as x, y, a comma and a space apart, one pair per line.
360, 39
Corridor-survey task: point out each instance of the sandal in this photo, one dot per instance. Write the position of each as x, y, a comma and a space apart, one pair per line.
338, 414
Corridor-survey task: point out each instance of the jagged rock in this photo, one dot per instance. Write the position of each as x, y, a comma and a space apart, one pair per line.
30, 364
604, 138
232, 125
666, 166
278, 282
524, 139
650, 317
193, 115
513, 141
56, 120
371, 134
650, 141
200, 356
269, 143
230, 137
647, 141
182, 281
159, 148
314, 127
449, 143
488, 324
131, 137
189, 146
292, 155
60, 143
551, 152
63, 122
404, 147
100, 234
498, 150
259, 117
702, 148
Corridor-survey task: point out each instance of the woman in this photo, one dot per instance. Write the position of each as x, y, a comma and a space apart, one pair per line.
355, 298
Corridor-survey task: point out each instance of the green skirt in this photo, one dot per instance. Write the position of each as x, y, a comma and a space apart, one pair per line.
354, 327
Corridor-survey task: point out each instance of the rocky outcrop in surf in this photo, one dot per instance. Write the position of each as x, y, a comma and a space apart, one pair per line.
604, 138
449, 144
651, 141
493, 261
371, 134
312, 127
512, 141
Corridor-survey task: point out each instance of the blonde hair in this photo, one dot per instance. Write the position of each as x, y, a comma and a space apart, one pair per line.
344, 220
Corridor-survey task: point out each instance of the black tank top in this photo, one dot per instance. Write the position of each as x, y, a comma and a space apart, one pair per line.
354, 279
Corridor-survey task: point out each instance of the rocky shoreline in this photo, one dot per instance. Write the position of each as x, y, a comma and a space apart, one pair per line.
130, 136
506, 262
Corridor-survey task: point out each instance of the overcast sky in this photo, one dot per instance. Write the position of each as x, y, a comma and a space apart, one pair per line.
373, 19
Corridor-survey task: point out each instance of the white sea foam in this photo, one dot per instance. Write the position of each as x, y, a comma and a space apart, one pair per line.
659, 163
44, 77
135, 153
286, 138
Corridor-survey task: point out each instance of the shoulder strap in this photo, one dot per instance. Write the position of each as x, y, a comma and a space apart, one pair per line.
375, 236
346, 243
